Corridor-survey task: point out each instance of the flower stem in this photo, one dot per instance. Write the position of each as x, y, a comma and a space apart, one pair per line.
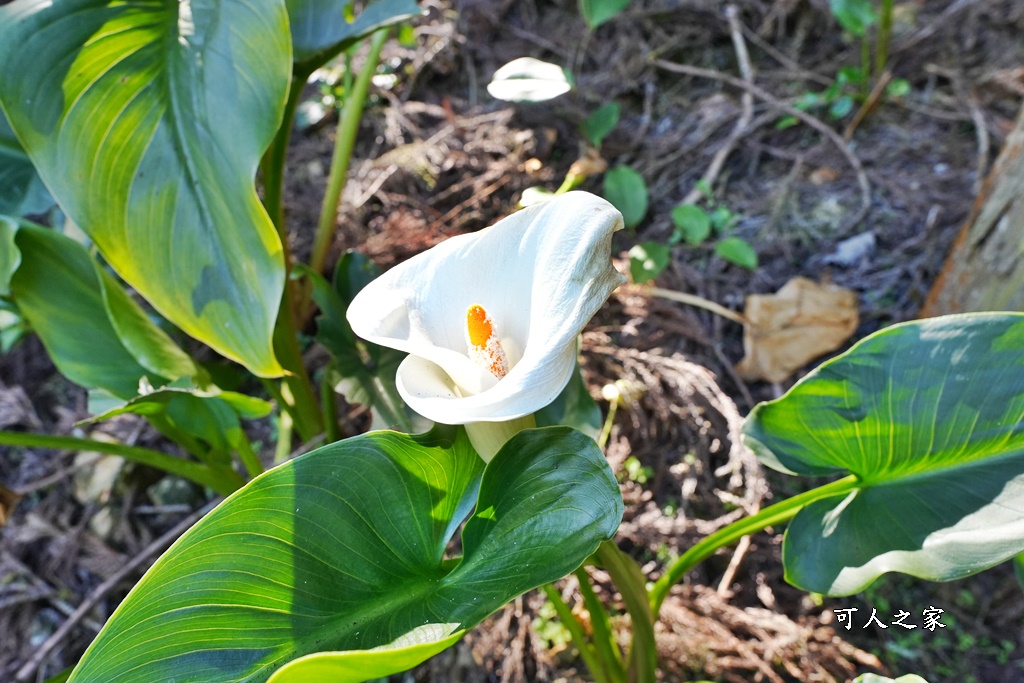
604, 641
579, 637
774, 514
883, 38
223, 481
488, 437
344, 142
642, 663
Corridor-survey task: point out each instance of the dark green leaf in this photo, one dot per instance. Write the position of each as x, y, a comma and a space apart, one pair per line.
737, 251
344, 549
321, 28
147, 121
21, 190
601, 122
626, 189
597, 12
693, 225
927, 415
365, 371
10, 257
647, 260
574, 408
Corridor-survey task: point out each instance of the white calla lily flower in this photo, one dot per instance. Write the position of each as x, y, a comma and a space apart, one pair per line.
490, 319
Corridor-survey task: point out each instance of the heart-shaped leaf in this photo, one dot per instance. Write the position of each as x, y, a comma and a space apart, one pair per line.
928, 416
95, 333
322, 28
344, 549
147, 122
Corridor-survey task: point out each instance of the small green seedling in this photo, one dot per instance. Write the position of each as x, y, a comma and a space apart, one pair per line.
627, 191
597, 12
600, 123
648, 260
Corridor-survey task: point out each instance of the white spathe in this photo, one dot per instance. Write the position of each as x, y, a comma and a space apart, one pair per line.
528, 80
541, 274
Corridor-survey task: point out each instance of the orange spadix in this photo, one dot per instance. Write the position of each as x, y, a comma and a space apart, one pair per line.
482, 339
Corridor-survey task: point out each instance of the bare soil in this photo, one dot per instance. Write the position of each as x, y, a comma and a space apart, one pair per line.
438, 156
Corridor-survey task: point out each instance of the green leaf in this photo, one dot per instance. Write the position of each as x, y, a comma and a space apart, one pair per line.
72, 303
365, 371
21, 190
10, 257
737, 251
875, 678
601, 122
854, 16
899, 87
693, 225
647, 261
841, 107
851, 74
574, 407
927, 415
597, 12
147, 122
356, 666
212, 416
627, 191
321, 28
786, 122
344, 549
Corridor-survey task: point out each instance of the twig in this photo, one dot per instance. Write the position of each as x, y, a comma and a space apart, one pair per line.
981, 133
816, 124
734, 564
783, 59
743, 57
694, 300
869, 103
44, 650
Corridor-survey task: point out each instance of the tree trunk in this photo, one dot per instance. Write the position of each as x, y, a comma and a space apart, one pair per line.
985, 268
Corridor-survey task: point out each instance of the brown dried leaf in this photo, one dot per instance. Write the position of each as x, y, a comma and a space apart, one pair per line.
800, 322
8, 499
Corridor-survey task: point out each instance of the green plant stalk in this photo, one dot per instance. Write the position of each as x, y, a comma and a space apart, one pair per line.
865, 65
248, 456
223, 481
642, 664
604, 640
606, 429
344, 142
284, 437
579, 637
329, 405
272, 164
299, 398
884, 38
302, 404
771, 515
179, 436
